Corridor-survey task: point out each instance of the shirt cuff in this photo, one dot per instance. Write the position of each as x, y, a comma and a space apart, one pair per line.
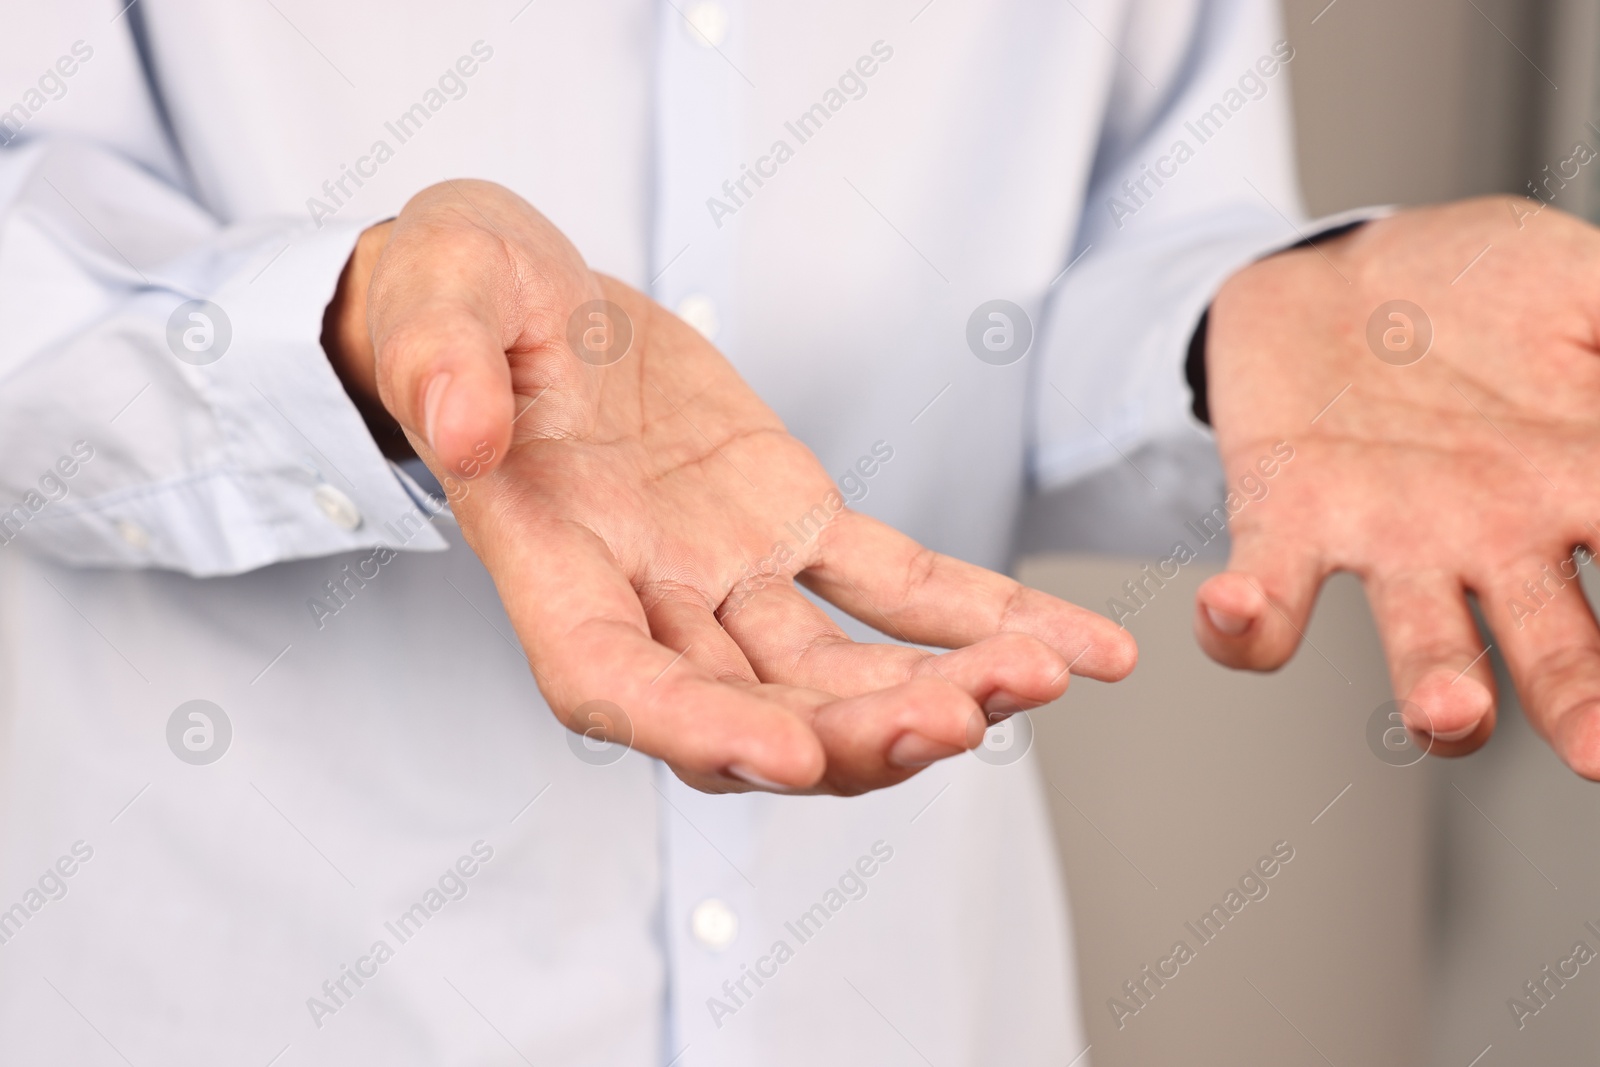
285, 467
1194, 365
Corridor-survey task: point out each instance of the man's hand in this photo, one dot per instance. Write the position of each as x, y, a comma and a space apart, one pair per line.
1427, 468
645, 518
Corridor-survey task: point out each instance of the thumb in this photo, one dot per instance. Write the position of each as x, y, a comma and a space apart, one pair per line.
443, 374
468, 328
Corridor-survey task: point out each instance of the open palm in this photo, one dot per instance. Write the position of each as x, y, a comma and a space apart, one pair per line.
646, 519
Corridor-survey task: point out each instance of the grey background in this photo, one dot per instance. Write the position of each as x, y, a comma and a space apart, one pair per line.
1424, 897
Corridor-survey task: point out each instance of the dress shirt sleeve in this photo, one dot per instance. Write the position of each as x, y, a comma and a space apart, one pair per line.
140, 426
1193, 178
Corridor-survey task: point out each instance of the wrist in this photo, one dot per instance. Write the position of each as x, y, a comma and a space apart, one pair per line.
1196, 368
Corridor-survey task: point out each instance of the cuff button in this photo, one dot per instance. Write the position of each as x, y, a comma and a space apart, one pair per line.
338, 507
135, 535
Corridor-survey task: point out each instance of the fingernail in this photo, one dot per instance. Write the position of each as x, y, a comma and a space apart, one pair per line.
1450, 700
913, 750
430, 406
745, 774
1232, 625
1459, 733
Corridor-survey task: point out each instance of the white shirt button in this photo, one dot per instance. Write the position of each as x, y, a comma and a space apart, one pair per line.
339, 508
713, 924
708, 23
700, 311
134, 534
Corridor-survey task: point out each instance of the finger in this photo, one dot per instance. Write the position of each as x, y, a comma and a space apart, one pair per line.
688, 625
1254, 614
881, 738
789, 640
1551, 645
912, 593
437, 311
1436, 659
877, 739
587, 639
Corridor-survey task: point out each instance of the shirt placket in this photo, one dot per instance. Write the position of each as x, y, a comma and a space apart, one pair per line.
708, 899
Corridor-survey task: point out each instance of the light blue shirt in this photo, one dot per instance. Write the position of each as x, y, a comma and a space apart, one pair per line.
837, 194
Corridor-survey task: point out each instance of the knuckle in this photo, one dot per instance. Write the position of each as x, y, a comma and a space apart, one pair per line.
920, 569
1014, 607
405, 352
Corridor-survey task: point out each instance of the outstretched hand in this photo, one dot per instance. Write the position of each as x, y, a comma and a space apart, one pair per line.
647, 519
1437, 374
